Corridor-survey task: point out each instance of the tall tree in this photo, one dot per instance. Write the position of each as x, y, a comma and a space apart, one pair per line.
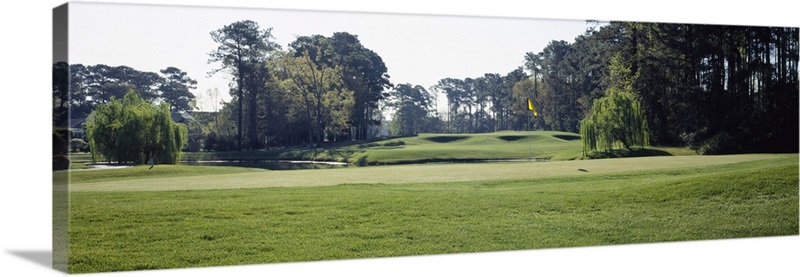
364, 69
315, 92
514, 100
456, 93
92, 85
175, 89
560, 109
521, 118
60, 93
366, 76
242, 48
491, 87
411, 105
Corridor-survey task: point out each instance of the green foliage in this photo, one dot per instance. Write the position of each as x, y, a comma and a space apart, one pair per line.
60, 144
315, 94
175, 89
411, 104
617, 119
243, 48
521, 116
721, 143
78, 145
60, 148
92, 85
134, 131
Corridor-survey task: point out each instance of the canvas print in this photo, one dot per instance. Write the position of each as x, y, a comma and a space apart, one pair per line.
210, 136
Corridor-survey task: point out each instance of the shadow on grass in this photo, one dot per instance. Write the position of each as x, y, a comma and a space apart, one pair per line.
567, 137
338, 153
362, 161
387, 145
511, 138
446, 139
624, 153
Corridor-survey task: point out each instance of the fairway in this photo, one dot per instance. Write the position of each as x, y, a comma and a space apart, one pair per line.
143, 179
209, 217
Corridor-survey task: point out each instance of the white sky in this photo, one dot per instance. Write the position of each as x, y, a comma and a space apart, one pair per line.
417, 49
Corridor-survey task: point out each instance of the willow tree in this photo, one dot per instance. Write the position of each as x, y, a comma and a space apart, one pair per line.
135, 131
617, 119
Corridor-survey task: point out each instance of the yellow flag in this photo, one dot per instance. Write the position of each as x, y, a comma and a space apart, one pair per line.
531, 108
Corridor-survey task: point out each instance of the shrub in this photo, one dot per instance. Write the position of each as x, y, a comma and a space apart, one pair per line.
78, 145
721, 143
60, 145
60, 162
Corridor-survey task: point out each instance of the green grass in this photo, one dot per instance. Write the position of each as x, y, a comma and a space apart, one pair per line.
143, 172
184, 177
505, 145
618, 201
426, 148
79, 160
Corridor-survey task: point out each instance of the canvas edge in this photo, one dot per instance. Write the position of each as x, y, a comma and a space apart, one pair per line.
60, 239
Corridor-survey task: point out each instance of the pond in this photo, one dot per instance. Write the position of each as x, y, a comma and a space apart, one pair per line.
271, 164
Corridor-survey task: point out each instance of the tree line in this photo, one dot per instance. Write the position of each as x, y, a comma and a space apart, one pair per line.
717, 89
319, 89
81, 88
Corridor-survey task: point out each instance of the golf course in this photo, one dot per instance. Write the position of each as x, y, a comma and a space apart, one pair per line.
423, 195
244, 137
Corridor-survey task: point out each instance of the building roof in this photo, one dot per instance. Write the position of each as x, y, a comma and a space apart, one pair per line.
181, 117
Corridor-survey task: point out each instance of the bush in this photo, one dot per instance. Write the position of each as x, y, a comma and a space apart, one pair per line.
78, 145
60, 162
721, 143
690, 139
60, 145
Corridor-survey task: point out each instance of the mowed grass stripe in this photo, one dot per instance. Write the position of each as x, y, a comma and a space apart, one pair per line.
113, 231
142, 179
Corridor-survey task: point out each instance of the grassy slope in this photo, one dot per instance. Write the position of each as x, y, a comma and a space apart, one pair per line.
428, 147
609, 205
505, 145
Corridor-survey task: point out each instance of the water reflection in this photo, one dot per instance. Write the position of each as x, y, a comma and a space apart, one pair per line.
270, 164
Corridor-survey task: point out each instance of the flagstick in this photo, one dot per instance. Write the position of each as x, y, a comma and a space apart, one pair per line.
530, 141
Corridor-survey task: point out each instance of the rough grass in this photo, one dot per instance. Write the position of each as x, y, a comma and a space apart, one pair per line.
113, 231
